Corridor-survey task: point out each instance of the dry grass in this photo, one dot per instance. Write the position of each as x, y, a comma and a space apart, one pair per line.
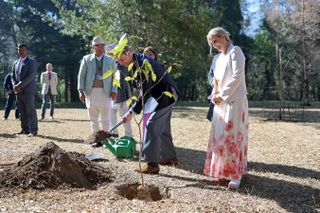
284, 164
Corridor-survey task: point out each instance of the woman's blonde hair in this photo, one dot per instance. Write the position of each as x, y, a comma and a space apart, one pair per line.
217, 31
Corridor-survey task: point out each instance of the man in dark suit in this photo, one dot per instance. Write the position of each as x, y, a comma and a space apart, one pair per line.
11, 98
24, 73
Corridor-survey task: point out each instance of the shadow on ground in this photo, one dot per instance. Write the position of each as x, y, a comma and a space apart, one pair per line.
290, 196
69, 119
61, 139
269, 114
292, 171
5, 135
51, 121
190, 160
196, 114
307, 115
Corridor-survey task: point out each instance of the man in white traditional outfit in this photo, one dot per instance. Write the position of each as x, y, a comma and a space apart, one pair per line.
226, 157
49, 81
94, 89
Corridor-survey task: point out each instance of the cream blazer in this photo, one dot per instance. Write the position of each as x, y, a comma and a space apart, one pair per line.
44, 80
230, 74
87, 74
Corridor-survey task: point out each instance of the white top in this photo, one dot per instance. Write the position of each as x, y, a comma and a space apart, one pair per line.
230, 73
99, 57
20, 62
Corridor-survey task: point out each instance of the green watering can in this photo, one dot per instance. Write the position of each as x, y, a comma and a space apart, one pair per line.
123, 147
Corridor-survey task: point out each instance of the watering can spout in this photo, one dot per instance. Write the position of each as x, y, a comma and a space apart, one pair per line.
109, 145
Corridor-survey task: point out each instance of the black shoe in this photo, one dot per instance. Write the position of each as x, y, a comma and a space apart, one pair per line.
22, 132
33, 134
96, 145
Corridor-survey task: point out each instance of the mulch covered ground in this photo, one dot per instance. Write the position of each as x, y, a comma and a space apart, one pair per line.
50, 174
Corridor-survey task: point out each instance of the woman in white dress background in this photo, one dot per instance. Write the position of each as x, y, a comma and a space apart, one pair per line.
226, 157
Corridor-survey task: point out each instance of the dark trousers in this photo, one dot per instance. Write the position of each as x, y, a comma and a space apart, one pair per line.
210, 111
157, 142
28, 114
11, 99
45, 101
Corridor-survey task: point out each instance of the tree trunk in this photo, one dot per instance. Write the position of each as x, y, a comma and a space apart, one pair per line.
305, 87
73, 87
66, 88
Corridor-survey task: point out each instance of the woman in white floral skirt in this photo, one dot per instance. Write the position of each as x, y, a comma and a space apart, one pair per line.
226, 157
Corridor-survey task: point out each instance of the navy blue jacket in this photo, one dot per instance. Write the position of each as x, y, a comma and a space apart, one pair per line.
27, 75
124, 92
154, 89
7, 84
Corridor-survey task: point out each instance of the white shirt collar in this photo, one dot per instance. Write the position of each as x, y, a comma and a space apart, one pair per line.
22, 59
99, 58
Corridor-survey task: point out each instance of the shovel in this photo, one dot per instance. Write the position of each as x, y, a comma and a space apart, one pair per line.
94, 156
99, 155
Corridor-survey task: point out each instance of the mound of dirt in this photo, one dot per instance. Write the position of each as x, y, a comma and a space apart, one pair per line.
99, 136
52, 167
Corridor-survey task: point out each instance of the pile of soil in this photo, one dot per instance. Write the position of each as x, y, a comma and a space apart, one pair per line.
99, 136
52, 167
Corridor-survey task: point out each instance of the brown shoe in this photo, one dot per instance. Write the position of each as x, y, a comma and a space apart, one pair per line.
146, 169
169, 162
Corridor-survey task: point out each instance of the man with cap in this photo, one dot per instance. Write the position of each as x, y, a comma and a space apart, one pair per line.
96, 91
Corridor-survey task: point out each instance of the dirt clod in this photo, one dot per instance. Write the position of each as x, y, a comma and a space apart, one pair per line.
52, 167
99, 136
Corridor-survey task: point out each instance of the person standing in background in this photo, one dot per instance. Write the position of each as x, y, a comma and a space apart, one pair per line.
121, 103
149, 51
11, 98
49, 81
123, 95
226, 157
24, 71
210, 82
95, 91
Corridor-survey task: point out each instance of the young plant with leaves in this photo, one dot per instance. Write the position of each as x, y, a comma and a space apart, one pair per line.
157, 94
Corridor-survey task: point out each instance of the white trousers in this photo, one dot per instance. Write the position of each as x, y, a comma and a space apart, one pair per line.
123, 109
99, 105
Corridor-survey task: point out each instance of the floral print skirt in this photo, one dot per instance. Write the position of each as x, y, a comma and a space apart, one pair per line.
228, 142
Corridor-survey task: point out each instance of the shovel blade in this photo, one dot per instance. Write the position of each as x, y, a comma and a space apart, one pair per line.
94, 156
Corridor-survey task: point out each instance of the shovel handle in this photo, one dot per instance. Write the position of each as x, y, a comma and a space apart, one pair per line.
115, 126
